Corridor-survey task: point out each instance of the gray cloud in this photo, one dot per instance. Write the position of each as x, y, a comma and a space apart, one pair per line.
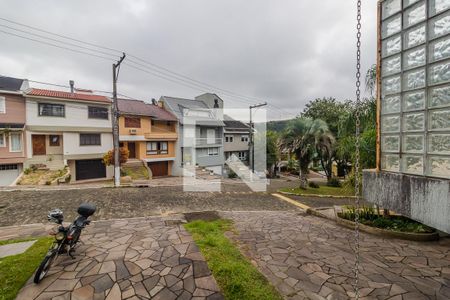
286, 52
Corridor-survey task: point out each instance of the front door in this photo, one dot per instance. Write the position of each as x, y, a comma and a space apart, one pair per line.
38, 142
132, 149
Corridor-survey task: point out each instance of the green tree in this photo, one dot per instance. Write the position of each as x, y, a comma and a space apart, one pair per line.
271, 152
345, 147
371, 80
328, 110
303, 137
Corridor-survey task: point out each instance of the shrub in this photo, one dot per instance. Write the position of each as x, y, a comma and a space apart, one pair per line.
232, 174
33, 168
48, 182
108, 158
27, 171
313, 185
334, 182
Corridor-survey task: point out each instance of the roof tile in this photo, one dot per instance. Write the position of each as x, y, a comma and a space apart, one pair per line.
138, 107
68, 95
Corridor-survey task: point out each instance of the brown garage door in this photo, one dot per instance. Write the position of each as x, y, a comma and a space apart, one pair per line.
160, 168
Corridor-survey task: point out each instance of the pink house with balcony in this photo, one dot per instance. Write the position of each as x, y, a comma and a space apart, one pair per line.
12, 128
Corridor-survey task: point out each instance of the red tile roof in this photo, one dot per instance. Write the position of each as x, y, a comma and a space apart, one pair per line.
68, 95
138, 107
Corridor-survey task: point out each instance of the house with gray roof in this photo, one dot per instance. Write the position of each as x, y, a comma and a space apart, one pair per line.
200, 132
236, 145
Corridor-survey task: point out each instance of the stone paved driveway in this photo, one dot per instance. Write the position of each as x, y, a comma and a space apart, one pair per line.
138, 258
307, 257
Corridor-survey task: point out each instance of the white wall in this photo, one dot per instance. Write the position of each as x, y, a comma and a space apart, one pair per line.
72, 144
76, 114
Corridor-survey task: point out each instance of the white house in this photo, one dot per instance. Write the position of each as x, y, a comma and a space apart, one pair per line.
69, 128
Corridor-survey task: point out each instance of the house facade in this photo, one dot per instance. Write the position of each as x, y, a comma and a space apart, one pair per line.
236, 136
69, 128
149, 133
12, 129
200, 132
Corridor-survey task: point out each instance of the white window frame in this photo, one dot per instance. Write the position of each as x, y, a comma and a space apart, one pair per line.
213, 153
10, 142
229, 139
242, 155
244, 138
2, 106
3, 140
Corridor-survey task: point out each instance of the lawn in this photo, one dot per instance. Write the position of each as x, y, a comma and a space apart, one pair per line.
322, 190
15, 270
236, 276
136, 173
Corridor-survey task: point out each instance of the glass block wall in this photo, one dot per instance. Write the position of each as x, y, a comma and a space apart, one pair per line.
415, 87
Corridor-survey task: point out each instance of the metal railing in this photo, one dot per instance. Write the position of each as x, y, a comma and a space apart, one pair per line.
208, 141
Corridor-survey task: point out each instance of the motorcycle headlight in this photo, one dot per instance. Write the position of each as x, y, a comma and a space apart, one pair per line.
59, 236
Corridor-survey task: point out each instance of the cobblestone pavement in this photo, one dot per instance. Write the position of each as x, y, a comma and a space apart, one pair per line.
137, 258
307, 257
26, 207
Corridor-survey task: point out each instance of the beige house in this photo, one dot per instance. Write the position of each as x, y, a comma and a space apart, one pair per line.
70, 128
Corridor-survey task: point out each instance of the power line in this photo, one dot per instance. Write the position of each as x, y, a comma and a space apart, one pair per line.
60, 35
53, 45
172, 76
58, 41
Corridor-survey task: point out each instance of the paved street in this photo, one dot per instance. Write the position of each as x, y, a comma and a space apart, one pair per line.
130, 259
25, 207
307, 257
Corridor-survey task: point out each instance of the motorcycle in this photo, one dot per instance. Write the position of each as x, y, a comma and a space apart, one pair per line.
66, 238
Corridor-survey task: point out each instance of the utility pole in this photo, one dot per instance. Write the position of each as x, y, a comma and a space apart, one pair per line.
252, 142
115, 122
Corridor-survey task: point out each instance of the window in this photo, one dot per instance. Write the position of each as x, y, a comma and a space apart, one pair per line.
2, 140
8, 167
51, 110
95, 112
154, 148
153, 122
2, 105
54, 140
132, 122
90, 139
213, 151
242, 155
229, 139
15, 142
244, 138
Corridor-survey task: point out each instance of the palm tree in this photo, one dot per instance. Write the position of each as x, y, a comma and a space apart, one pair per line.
304, 137
371, 79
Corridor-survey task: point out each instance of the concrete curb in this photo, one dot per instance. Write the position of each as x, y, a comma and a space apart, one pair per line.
317, 196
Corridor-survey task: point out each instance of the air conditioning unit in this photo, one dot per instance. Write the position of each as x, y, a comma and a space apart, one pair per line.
133, 131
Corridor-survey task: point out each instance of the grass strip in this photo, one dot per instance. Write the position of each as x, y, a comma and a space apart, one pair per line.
321, 190
15, 270
236, 276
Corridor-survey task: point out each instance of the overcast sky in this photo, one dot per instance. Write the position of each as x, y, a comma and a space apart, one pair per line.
283, 52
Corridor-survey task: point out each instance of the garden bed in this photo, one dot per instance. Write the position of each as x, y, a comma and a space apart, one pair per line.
41, 177
391, 226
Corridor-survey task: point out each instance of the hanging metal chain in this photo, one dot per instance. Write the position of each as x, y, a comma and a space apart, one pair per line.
357, 143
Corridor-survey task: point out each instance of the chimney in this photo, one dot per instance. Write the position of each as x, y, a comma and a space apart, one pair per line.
71, 83
154, 101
